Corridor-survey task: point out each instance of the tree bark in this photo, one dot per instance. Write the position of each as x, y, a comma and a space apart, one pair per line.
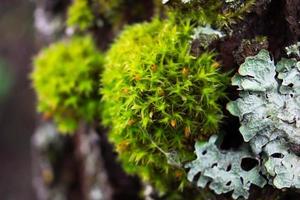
84, 166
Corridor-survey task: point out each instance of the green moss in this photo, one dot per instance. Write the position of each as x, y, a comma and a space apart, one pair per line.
216, 13
80, 15
83, 14
65, 79
6, 80
158, 99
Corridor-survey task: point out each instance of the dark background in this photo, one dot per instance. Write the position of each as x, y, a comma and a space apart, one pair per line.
17, 112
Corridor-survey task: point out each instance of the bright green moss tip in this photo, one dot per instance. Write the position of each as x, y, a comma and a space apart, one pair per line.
158, 99
65, 79
80, 15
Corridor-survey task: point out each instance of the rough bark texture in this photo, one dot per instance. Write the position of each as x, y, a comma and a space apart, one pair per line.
80, 167
84, 166
277, 20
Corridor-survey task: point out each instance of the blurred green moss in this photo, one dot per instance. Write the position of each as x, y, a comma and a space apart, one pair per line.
80, 15
65, 79
5, 80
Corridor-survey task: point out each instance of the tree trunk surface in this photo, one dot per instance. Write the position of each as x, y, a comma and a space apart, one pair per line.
84, 167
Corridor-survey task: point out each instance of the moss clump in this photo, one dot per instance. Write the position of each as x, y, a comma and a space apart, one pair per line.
65, 79
158, 99
80, 15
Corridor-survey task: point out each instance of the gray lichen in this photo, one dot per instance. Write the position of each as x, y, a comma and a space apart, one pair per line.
268, 106
206, 35
293, 49
282, 165
269, 112
222, 170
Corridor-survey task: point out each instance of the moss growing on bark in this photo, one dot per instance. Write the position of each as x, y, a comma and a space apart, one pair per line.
65, 79
158, 99
216, 13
